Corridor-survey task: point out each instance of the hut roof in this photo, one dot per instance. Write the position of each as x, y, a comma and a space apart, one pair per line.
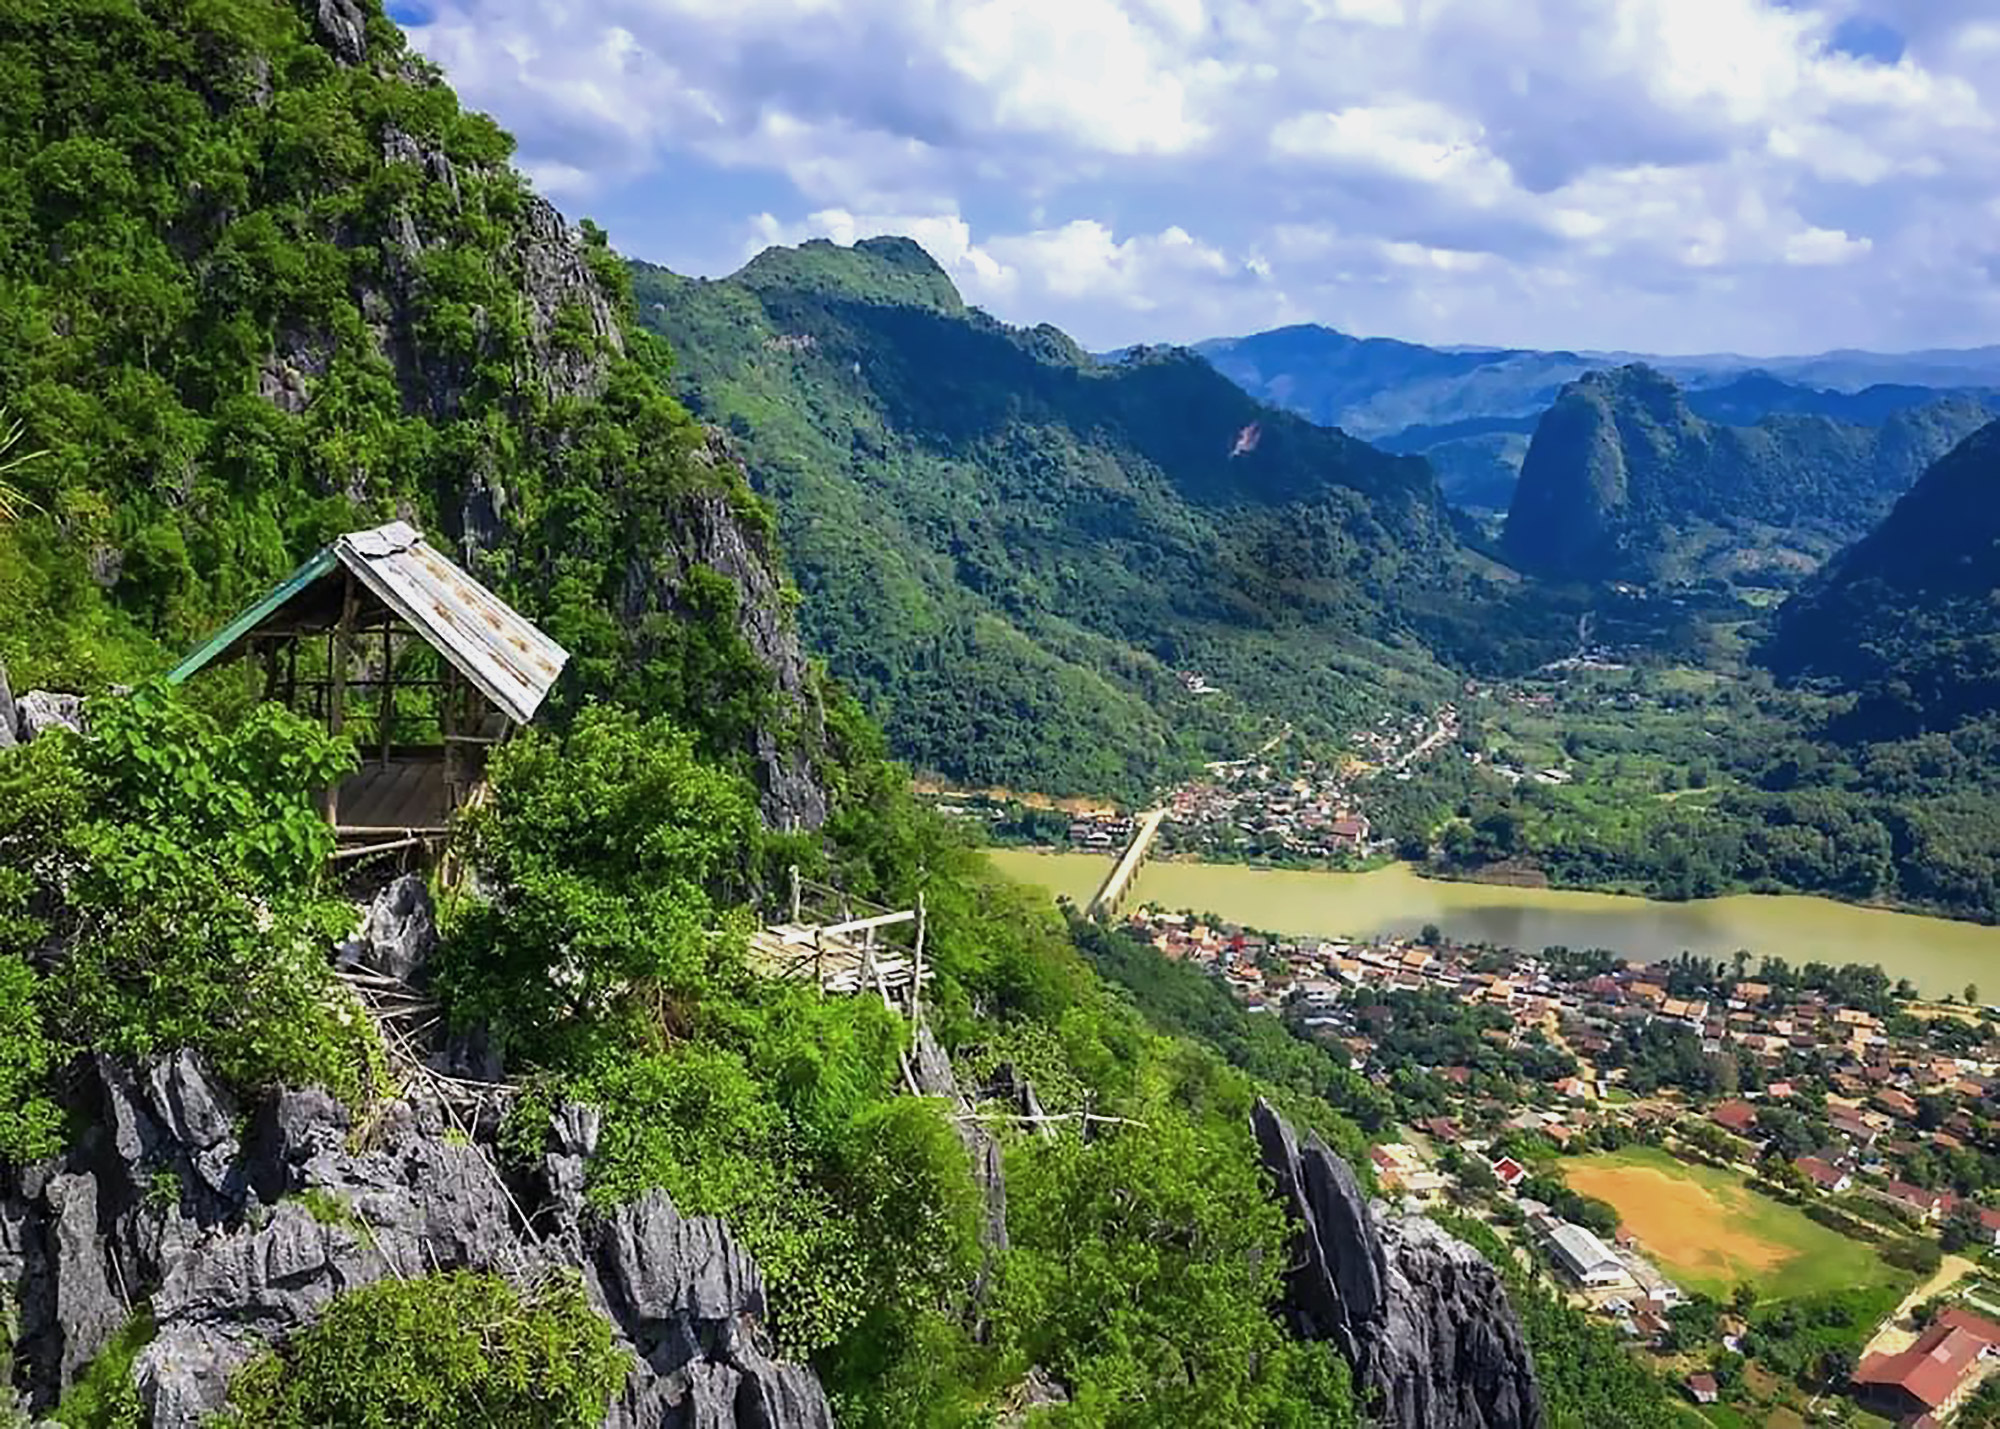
488, 641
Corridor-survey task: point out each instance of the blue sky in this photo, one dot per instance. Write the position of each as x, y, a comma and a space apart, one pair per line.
1661, 175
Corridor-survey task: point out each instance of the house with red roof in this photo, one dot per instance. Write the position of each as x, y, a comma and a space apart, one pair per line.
1737, 1116
1823, 1173
1510, 1172
1933, 1375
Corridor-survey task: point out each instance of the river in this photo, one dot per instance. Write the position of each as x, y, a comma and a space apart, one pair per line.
1937, 954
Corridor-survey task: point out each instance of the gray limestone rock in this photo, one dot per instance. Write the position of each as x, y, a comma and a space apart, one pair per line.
236, 1293
88, 1308
40, 711
398, 933
245, 1260
1422, 1318
344, 30
706, 531
934, 1077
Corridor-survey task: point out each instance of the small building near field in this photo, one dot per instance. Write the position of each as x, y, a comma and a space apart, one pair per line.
1587, 1259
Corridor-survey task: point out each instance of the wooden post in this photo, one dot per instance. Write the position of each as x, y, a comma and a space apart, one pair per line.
270, 670
336, 714
388, 694
917, 967
795, 893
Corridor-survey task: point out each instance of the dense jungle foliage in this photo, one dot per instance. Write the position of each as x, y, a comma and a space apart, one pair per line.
1009, 550
253, 295
265, 283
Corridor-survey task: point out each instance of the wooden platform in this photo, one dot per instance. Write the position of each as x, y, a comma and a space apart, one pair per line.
404, 795
844, 963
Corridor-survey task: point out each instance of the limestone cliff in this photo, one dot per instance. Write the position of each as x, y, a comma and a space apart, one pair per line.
241, 1224
1423, 1320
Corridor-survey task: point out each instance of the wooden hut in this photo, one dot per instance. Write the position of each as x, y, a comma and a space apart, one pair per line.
382, 638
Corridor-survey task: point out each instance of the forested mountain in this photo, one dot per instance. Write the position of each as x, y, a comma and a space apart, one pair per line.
1624, 481
1009, 549
574, 1161
1908, 618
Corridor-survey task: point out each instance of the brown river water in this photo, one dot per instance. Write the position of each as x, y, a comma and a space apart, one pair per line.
1937, 954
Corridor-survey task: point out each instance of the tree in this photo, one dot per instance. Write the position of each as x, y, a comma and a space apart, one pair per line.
1972, 993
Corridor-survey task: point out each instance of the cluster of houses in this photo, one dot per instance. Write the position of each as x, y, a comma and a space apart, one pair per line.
1250, 808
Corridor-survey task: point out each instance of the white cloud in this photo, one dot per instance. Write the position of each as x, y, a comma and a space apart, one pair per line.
1632, 173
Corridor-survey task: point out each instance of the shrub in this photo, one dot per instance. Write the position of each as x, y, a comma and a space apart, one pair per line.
439, 1353
179, 863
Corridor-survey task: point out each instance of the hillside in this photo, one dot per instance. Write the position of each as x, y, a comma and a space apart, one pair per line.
1009, 550
294, 1144
1624, 481
1907, 616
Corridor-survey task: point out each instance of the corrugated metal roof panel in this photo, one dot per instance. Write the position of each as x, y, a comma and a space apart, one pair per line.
225, 638
488, 640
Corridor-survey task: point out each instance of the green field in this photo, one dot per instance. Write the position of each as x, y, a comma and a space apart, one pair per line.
1708, 1230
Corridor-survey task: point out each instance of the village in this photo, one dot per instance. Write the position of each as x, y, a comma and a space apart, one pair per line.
1271, 809
1663, 1139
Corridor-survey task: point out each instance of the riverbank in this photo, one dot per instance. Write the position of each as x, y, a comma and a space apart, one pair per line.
1940, 956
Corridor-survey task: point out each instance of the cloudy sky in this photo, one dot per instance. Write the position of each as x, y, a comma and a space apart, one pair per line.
1763, 176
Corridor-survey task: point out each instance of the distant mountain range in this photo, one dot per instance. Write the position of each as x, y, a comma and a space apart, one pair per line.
1626, 480
1471, 410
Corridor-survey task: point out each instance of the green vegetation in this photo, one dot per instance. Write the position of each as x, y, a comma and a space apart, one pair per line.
255, 297
781, 1111
1795, 1257
179, 864
104, 1396
438, 1353
1587, 1375
1009, 551
1624, 482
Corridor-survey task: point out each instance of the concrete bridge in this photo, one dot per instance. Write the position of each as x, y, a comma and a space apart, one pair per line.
1114, 888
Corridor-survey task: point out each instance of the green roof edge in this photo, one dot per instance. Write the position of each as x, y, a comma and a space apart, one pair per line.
250, 619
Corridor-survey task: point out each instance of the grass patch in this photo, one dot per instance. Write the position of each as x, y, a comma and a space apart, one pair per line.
104, 1395
1708, 1230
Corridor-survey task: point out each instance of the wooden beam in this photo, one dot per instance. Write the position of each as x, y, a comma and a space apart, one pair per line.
388, 693
862, 925
342, 652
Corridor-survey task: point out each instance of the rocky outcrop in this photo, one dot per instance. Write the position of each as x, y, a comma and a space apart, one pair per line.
39, 711
239, 1243
1420, 1316
398, 933
707, 532
932, 1073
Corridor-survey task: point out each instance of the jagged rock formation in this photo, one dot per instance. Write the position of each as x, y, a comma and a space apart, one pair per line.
932, 1073
242, 1242
1422, 1318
